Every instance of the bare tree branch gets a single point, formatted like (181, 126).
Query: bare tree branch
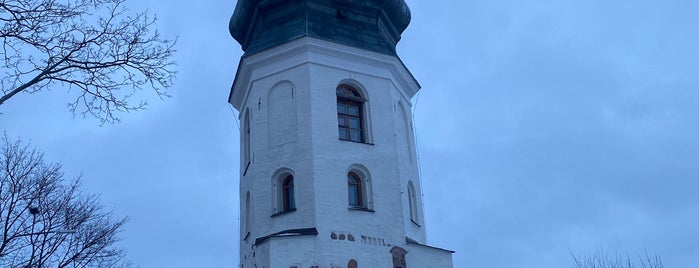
(94, 46)
(602, 259)
(46, 221)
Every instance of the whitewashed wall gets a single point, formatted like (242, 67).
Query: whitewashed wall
(289, 92)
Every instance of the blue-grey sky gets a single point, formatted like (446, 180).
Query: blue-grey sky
(542, 127)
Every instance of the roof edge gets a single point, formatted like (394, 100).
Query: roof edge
(411, 241)
(287, 233)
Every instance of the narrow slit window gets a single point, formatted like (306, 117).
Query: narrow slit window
(412, 203)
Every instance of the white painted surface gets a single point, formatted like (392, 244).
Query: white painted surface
(425, 257)
(289, 92)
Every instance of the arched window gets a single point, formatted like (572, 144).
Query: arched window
(284, 194)
(288, 202)
(352, 264)
(354, 190)
(412, 203)
(359, 190)
(350, 119)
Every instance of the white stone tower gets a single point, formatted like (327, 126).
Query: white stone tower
(329, 175)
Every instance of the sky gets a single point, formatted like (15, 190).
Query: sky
(543, 128)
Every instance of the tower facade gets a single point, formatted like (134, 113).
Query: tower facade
(329, 174)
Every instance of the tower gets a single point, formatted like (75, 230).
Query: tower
(329, 174)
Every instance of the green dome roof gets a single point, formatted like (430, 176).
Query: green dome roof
(374, 25)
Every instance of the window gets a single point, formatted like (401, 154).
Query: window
(359, 190)
(248, 220)
(246, 142)
(354, 190)
(352, 264)
(349, 114)
(283, 192)
(288, 202)
(412, 203)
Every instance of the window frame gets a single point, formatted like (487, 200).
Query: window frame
(364, 177)
(288, 195)
(280, 194)
(413, 207)
(349, 96)
(358, 193)
(248, 215)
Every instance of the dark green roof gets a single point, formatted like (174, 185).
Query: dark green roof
(374, 25)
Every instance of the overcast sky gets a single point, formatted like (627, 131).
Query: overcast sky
(543, 127)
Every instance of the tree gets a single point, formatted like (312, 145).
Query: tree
(46, 221)
(602, 259)
(93, 46)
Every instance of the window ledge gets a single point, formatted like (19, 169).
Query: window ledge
(367, 143)
(283, 212)
(415, 222)
(361, 209)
